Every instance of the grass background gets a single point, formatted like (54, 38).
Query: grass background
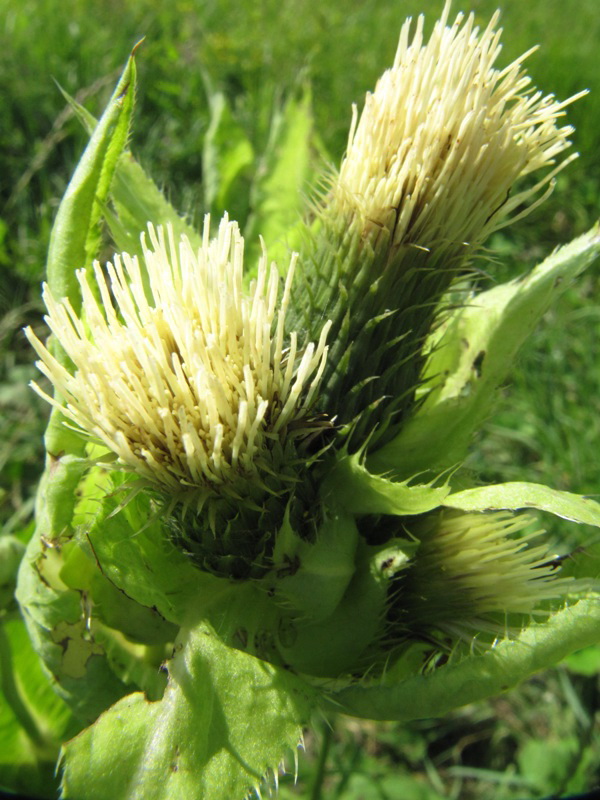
(534, 742)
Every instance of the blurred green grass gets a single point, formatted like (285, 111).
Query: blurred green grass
(547, 425)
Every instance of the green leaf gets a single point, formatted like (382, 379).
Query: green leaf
(87, 119)
(83, 572)
(227, 158)
(134, 552)
(33, 719)
(134, 638)
(351, 486)
(555, 760)
(285, 173)
(56, 497)
(478, 676)
(137, 199)
(59, 626)
(92, 637)
(11, 553)
(344, 641)
(585, 662)
(73, 243)
(472, 356)
(75, 235)
(225, 720)
(312, 577)
(370, 782)
(515, 496)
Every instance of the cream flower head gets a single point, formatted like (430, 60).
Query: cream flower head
(434, 164)
(178, 371)
(444, 137)
(473, 569)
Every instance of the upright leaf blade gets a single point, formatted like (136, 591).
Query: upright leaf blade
(136, 198)
(227, 159)
(283, 177)
(53, 614)
(75, 237)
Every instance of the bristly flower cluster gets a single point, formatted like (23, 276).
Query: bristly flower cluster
(204, 390)
(183, 375)
(444, 138)
(472, 571)
(433, 166)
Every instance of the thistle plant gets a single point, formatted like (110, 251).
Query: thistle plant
(255, 505)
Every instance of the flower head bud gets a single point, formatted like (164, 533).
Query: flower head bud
(472, 571)
(444, 138)
(179, 372)
(433, 166)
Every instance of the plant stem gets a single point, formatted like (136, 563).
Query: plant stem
(326, 739)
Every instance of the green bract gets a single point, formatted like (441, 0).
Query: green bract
(219, 554)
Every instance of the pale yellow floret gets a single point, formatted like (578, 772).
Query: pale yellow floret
(445, 136)
(470, 566)
(178, 370)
